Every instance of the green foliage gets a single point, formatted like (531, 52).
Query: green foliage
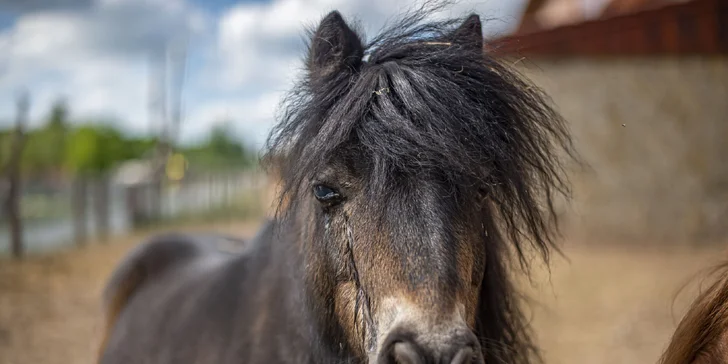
(82, 148)
(137, 148)
(6, 140)
(219, 151)
(96, 148)
(58, 118)
(44, 147)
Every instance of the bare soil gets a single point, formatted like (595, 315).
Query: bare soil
(50, 306)
(616, 304)
(607, 304)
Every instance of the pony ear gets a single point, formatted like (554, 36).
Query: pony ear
(469, 33)
(334, 47)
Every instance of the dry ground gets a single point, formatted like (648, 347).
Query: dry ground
(616, 304)
(606, 305)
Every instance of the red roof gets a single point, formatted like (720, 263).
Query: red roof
(620, 7)
(622, 27)
(546, 14)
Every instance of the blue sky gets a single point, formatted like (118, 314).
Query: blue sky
(242, 55)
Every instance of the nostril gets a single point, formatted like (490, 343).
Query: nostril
(406, 353)
(465, 349)
(464, 356)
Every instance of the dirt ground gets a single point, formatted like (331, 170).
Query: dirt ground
(611, 304)
(605, 305)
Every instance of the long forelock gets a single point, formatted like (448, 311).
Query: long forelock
(422, 102)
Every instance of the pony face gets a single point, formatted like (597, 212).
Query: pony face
(404, 173)
(407, 256)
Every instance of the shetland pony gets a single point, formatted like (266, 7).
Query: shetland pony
(417, 172)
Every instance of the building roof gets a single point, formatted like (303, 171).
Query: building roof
(619, 27)
(541, 15)
(621, 7)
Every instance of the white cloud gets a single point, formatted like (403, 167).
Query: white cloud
(262, 43)
(260, 46)
(95, 57)
(252, 117)
(96, 54)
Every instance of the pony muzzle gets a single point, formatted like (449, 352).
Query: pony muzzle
(455, 346)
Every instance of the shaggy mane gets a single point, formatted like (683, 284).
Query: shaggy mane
(422, 104)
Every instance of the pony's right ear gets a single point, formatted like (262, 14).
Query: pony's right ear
(334, 47)
(470, 32)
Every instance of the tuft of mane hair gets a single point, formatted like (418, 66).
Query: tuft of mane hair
(702, 335)
(429, 100)
(425, 99)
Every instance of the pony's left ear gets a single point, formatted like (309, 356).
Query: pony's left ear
(469, 33)
(334, 47)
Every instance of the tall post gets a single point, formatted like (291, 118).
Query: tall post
(158, 116)
(101, 202)
(79, 201)
(13, 173)
(178, 64)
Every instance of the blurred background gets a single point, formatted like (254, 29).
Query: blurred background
(121, 118)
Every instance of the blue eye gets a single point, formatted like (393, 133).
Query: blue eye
(326, 194)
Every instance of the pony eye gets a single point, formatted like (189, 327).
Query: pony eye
(326, 194)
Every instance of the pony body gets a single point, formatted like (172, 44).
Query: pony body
(412, 182)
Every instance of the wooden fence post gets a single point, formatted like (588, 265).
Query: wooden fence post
(78, 203)
(101, 204)
(14, 182)
(79, 200)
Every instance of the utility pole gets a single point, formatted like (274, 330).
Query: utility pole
(167, 74)
(177, 54)
(157, 126)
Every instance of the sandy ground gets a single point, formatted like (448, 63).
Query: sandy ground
(605, 305)
(616, 304)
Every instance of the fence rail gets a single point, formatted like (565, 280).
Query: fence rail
(55, 217)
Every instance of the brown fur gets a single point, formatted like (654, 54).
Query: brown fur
(115, 304)
(702, 335)
(470, 268)
(345, 306)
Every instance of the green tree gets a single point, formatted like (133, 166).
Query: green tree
(58, 118)
(57, 129)
(44, 147)
(81, 150)
(220, 151)
(94, 150)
